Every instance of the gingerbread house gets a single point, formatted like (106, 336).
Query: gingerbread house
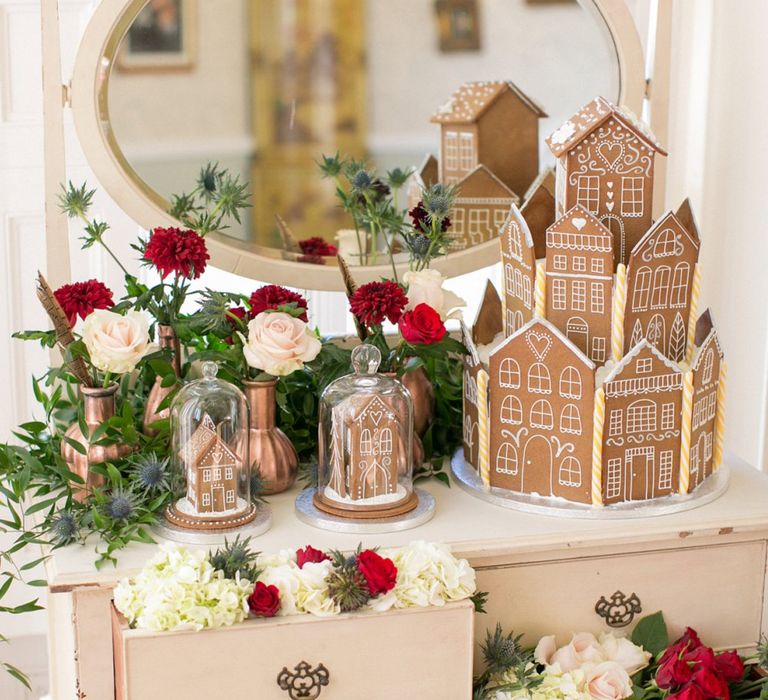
(493, 123)
(426, 175)
(472, 367)
(479, 209)
(212, 470)
(518, 264)
(539, 209)
(579, 285)
(605, 162)
(660, 275)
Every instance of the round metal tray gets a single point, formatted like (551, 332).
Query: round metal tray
(469, 480)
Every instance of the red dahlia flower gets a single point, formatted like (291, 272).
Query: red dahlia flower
(273, 296)
(317, 246)
(422, 326)
(173, 250)
(81, 298)
(376, 301)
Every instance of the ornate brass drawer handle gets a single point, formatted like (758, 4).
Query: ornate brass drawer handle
(304, 682)
(619, 610)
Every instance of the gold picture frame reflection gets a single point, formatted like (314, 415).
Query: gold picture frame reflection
(162, 38)
(458, 25)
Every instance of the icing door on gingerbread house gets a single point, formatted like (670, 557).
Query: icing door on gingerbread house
(605, 162)
(373, 433)
(580, 281)
(518, 265)
(659, 284)
(706, 365)
(479, 209)
(493, 123)
(539, 209)
(642, 429)
(541, 402)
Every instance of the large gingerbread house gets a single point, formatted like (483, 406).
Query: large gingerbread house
(604, 388)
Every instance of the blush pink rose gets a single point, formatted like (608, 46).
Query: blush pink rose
(607, 681)
(115, 342)
(583, 648)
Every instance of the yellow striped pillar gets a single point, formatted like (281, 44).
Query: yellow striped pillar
(695, 296)
(619, 305)
(597, 448)
(685, 433)
(483, 427)
(720, 419)
(540, 290)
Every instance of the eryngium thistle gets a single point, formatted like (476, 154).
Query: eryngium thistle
(361, 181)
(120, 505)
(420, 245)
(150, 472)
(64, 528)
(348, 588)
(501, 651)
(236, 557)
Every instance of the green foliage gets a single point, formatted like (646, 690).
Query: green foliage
(509, 667)
(651, 633)
(236, 558)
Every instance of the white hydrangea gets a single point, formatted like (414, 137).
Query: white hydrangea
(179, 589)
(554, 686)
(302, 590)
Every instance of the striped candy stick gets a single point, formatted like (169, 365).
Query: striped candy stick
(482, 425)
(597, 448)
(720, 419)
(617, 321)
(540, 290)
(685, 437)
(694, 310)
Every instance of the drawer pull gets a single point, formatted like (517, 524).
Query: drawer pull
(304, 682)
(619, 610)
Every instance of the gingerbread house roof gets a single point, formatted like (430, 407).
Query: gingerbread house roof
(469, 344)
(489, 318)
(538, 321)
(469, 101)
(428, 170)
(516, 215)
(705, 332)
(374, 403)
(592, 115)
(685, 216)
(215, 443)
(545, 179)
(480, 176)
(200, 439)
(632, 354)
(576, 225)
(662, 223)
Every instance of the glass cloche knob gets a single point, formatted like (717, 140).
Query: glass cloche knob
(210, 370)
(366, 359)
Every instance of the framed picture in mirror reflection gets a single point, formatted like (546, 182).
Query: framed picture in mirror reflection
(457, 25)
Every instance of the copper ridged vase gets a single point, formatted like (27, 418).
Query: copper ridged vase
(158, 393)
(423, 394)
(98, 407)
(270, 452)
(418, 447)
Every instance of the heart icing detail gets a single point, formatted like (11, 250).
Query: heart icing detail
(610, 152)
(610, 195)
(376, 416)
(539, 344)
(579, 223)
(610, 185)
(609, 206)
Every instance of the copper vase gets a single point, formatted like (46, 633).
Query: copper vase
(423, 394)
(418, 446)
(157, 394)
(269, 449)
(98, 407)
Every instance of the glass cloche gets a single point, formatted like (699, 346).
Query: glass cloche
(209, 449)
(366, 441)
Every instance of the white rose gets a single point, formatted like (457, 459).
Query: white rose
(116, 343)
(426, 287)
(607, 681)
(583, 648)
(278, 343)
(629, 656)
(545, 650)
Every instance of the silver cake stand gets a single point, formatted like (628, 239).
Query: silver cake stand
(469, 480)
(259, 526)
(307, 512)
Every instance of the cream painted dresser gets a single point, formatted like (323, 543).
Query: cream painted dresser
(705, 567)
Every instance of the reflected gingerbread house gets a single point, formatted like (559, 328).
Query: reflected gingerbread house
(605, 162)
(493, 123)
(539, 209)
(425, 175)
(212, 470)
(518, 265)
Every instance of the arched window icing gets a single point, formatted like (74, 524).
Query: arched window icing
(511, 410)
(509, 373)
(642, 290)
(680, 284)
(660, 295)
(506, 459)
(709, 363)
(541, 415)
(570, 383)
(539, 381)
(666, 244)
(385, 442)
(570, 472)
(366, 444)
(570, 419)
(641, 417)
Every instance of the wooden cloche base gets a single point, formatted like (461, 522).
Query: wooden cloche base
(358, 513)
(190, 522)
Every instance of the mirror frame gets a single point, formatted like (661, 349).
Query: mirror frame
(95, 57)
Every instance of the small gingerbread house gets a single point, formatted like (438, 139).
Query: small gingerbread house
(542, 390)
(212, 470)
(660, 278)
(493, 123)
(425, 175)
(642, 430)
(580, 281)
(605, 162)
(472, 366)
(518, 264)
(539, 209)
(479, 209)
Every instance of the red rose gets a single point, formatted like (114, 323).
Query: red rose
(265, 600)
(672, 673)
(689, 641)
(380, 574)
(173, 250)
(703, 656)
(310, 555)
(730, 666)
(272, 296)
(373, 302)
(711, 684)
(689, 691)
(81, 298)
(422, 325)
(317, 246)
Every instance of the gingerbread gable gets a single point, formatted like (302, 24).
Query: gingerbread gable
(200, 439)
(489, 321)
(539, 209)
(426, 175)
(518, 261)
(471, 100)
(660, 279)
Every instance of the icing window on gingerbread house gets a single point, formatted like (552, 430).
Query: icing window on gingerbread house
(506, 459)
(366, 443)
(466, 151)
(527, 291)
(558, 295)
(451, 150)
(206, 499)
(680, 285)
(644, 365)
(632, 196)
(665, 470)
(661, 287)
(615, 422)
(541, 415)
(668, 416)
(515, 244)
(588, 192)
(597, 265)
(560, 262)
(509, 373)
(570, 420)
(478, 221)
(642, 289)
(385, 441)
(667, 244)
(641, 417)
(499, 217)
(206, 475)
(709, 363)
(579, 295)
(613, 480)
(598, 349)
(539, 381)
(511, 410)
(518, 283)
(695, 459)
(570, 472)
(579, 263)
(570, 383)
(457, 221)
(597, 300)
(707, 446)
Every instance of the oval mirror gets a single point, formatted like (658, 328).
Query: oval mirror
(265, 88)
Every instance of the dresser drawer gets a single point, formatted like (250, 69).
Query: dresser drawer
(717, 589)
(375, 655)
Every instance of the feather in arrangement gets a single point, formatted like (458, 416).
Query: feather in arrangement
(64, 335)
(289, 240)
(351, 288)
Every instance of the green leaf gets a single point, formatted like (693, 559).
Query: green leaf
(651, 633)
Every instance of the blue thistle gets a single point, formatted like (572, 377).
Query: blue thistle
(361, 181)
(64, 527)
(120, 505)
(150, 472)
(420, 245)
